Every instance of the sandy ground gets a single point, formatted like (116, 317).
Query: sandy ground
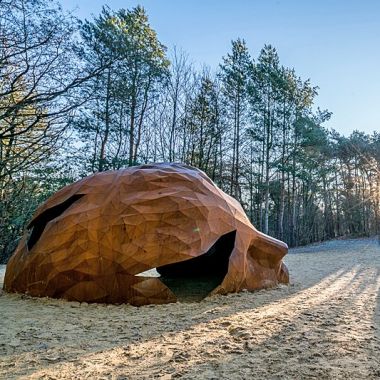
(325, 325)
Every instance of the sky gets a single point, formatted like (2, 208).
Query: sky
(335, 43)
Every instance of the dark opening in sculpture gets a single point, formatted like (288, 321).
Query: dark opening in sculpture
(37, 226)
(91, 240)
(195, 278)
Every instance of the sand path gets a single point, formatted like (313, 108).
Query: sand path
(325, 325)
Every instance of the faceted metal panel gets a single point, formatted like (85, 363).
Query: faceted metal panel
(88, 241)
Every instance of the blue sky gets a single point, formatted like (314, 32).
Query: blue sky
(335, 43)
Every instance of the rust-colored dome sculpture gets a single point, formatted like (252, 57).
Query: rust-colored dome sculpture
(91, 240)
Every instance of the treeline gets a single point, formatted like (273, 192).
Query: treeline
(81, 97)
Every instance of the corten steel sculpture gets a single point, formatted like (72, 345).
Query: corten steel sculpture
(89, 241)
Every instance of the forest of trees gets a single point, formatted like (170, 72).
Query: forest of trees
(77, 97)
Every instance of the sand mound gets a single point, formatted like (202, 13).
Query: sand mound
(324, 325)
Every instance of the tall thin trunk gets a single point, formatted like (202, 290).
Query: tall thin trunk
(282, 190)
(102, 152)
(141, 120)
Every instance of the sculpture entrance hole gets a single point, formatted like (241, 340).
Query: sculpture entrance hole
(38, 225)
(192, 280)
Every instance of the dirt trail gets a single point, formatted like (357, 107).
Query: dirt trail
(325, 325)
